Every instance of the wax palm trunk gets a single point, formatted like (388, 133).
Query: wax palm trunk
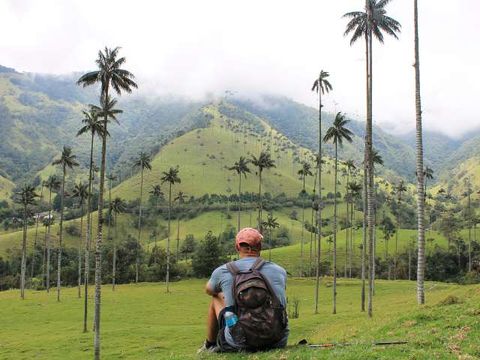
(420, 173)
(137, 260)
(24, 254)
(99, 243)
(260, 205)
(114, 265)
(335, 234)
(239, 201)
(364, 238)
(47, 280)
(319, 212)
(60, 239)
(88, 238)
(368, 150)
(80, 256)
(167, 280)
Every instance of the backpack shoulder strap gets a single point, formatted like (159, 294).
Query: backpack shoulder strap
(258, 264)
(234, 270)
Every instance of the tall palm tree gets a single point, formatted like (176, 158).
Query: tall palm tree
(303, 172)
(321, 85)
(270, 224)
(264, 161)
(420, 177)
(143, 162)
(372, 22)
(376, 160)
(171, 177)
(355, 190)
(116, 207)
(109, 74)
(46, 222)
(67, 160)
(337, 133)
(93, 126)
(157, 193)
(53, 184)
(37, 223)
(180, 198)
(25, 197)
(399, 189)
(241, 168)
(350, 165)
(80, 192)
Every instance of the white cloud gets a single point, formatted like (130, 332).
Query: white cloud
(193, 47)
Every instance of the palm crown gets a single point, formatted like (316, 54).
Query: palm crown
(26, 195)
(91, 122)
(264, 161)
(109, 73)
(156, 191)
(143, 161)
(171, 176)
(321, 83)
(67, 159)
(338, 132)
(117, 206)
(80, 191)
(374, 18)
(241, 166)
(53, 183)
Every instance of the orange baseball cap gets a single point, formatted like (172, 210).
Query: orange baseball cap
(249, 236)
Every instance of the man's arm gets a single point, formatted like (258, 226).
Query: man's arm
(209, 290)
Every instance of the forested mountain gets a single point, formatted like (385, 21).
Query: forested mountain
(41, 113)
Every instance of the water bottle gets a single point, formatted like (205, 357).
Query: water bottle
(230, 319)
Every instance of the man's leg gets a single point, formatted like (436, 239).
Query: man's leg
(216, 305)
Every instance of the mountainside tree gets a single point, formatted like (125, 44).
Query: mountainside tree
(93, 126)
(420, 176)
(171, 177)
(157, 194)
(372, 22)
(117, 206)
(321, 85)
(180, 199)
(25, 197)
(264, 161)
(109, 74)
(303, 172)
(53, 184)
(143, 162)
(80, 192)
(241, 168)
(67, 160)
(337, 133)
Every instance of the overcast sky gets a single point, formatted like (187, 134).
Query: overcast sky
(193, 47)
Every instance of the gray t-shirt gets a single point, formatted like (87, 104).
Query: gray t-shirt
(222, 281)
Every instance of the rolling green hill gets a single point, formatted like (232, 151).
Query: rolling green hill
(203, 156)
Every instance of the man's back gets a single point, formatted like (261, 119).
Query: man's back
(222, 280)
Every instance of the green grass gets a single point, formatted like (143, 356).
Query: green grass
(143, 322)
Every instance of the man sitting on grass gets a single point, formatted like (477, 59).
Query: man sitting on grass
(247, 311)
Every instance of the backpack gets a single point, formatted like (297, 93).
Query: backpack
(262, 319)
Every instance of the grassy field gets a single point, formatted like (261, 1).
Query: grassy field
(143, 322)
